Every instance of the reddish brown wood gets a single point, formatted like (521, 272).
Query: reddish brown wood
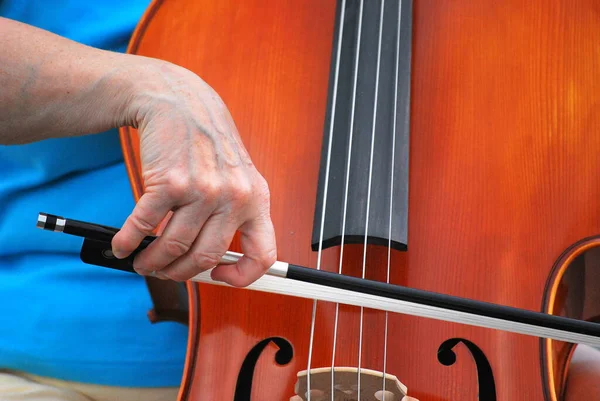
(505, 134)
(572, 291)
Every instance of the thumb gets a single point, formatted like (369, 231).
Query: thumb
(259, 253)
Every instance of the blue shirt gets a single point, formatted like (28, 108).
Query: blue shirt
(59, 317)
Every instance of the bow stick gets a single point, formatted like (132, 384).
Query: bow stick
(299, 281)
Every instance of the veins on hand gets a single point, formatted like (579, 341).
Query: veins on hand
(202, 112)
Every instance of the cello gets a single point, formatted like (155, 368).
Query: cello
(439, 145)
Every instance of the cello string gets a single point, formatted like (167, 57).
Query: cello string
(325, 193)
(389, 256)
(351, 131)
(374, 125)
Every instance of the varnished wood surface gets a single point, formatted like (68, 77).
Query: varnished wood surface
(505, 137)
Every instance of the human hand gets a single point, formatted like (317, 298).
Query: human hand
(195, 165)
(193, 161)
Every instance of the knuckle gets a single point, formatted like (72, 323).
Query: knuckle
(205, 260)
(241, 192)
(178, 185)
(175, 248)
(142, 223)
(250, 190)
(209, 189)
(268, 258)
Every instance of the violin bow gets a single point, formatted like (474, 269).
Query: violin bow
(304, 282)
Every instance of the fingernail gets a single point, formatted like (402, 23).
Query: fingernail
(119, 254)
(162, 275)
(139, 271)
(215, 277)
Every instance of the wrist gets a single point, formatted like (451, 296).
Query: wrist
(118, 89)
(144, 90)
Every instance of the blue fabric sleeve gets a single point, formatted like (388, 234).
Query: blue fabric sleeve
(59, 317)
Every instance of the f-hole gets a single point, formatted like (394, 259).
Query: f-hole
(243, 388)
(485, 377)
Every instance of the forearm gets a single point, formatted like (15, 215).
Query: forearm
(193, 161)
(53, 87)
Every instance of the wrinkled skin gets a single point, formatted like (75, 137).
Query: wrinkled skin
(195, 167)
(194, 163)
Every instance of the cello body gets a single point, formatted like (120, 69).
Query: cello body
(503, 199)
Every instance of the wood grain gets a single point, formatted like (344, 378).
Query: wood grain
(505, 134)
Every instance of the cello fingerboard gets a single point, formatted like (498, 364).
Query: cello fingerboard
(367, 126)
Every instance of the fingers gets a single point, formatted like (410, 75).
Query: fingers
(176, 240)
(198, 235)
(148, 213)
(206, 252)
(260, 252)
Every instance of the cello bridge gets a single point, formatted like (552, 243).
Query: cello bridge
(345, 385)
